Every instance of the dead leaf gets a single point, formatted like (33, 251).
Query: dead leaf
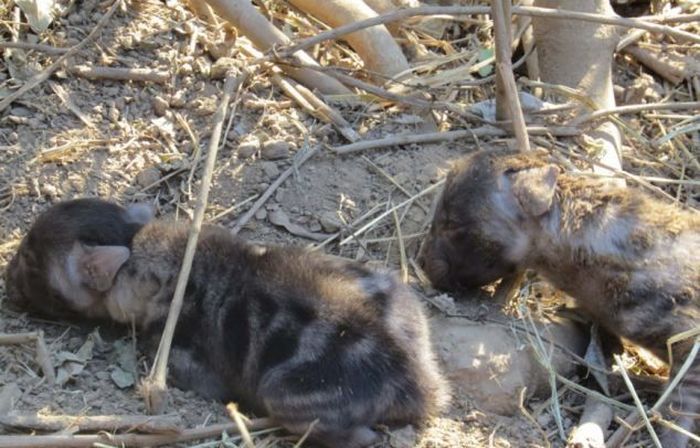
(39, 13)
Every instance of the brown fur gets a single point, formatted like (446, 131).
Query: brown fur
(294, 334)
(630, 261)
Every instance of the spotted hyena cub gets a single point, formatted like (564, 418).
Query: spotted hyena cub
(294, 334)
(630, 261)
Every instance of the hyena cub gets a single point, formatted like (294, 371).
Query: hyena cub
(630, 261)
(293, 334)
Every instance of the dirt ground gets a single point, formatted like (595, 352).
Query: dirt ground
(135, 141)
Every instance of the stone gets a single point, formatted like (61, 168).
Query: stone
(270, 169)
(405, 437)
(160, 106)
(147, 177)
(178, 99)
(431, 172)
(491, 366)
(330, 222)
(221, 67)
(248, 148)
(275, 150)
(261, 214)
(315, 226)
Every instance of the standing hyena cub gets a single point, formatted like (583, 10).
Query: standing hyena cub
(630, 261)
(294, 334)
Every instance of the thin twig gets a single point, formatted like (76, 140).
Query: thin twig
(532, 11)
(48, 49)
(120, 74)
(232, 409)
(449, 136)
(633, 108)
(48, 71)
(637, 402)
(243, 220)
(132, 440)
(402, 248)
(155, 390)
(161, 424)
(386, 213)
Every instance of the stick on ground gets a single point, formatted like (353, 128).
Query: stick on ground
(132, 440)
(159, 424)
(154, 387)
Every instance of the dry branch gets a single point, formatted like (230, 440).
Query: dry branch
(504, 73)
(264, 35)
(450, 136)
(375, 46)
(590, 432)
(672, 67)
(634, 108)
(133, 440)
(120, 74)
(81, 423)
(48, 49)
(154, 387)
(403, 14)
(308, 101)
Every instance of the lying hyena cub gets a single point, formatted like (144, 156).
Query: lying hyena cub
(297, 335)
(630, 261)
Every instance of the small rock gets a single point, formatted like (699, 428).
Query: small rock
(270, 169)
(21, 112)
(147, 177)
(202, 66)
(401, 178)
(261, 214)
(113, 114)
(247, 149)
(431, 172)
(405, 437)
(185, 69)
(279, 195)
(330, 222)
(178, 99)
(50, 191)
(315, 226)
(221, 67)
(491, 365)
(102, 375)
(275, 150)
(416, 215)
(160, 106)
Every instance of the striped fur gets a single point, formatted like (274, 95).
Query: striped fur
(286, 332)
(630, 261)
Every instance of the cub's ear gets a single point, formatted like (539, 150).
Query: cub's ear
(534, 188)
(98, 265)
(140, 213)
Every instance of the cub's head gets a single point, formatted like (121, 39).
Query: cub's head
(70, 256)
(477, 234)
